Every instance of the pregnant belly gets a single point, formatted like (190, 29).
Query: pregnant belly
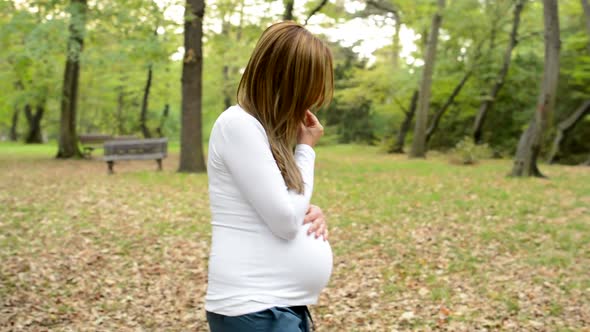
(306, 263)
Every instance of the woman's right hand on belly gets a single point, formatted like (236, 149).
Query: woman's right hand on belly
(315, 217)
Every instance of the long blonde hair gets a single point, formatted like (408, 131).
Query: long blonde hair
(289, 72)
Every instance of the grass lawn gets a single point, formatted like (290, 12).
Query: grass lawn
(418, 245)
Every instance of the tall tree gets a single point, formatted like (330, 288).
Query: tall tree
(13, 136)
(146, 94)
(155, 11)
(529, 146)
(488, 102)
(398, 146)
(586, 6)
(144, 104)
(163, 118)
(404, 129)
(68, 139)
(191, 144)
(34, 134)
(225, 88)
(419, 143)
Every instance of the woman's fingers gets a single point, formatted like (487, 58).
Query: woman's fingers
(316, 218)
(312, 214)
(307, 218)
(320, 231)
(311, 228)
(316, 225)
(310, 217)
(310, 119)
(311, 131)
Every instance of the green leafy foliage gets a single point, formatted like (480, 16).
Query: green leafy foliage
(352, 121)
(124, 38)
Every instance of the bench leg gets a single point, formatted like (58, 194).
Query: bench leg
(159, 164)
(111, 164)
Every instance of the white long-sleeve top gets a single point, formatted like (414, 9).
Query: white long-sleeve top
(261, 255)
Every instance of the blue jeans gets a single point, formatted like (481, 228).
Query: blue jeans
(277, 319)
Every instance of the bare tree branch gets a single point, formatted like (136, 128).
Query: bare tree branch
(316, 10)
(384, 7)
(565, 126)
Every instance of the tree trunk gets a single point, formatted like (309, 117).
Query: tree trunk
(34, 135)
(68, 139)
(565, 127)
(288, 14)
(120, 106)
(163, 118)
(489, 101)
(18, 85)
(436, 120)
(225, 88)
(398, 147)
(226, 94)
(525, 161)
(191, 144)
(419, 143)
(144, 104)
(13, 136)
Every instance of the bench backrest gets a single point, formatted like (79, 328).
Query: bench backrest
(155, 148)
(94, 138)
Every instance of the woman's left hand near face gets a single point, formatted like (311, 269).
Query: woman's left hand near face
(316, 218)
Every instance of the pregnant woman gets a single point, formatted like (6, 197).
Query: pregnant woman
(264, 267)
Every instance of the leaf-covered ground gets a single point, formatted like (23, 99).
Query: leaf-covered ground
(419, 245)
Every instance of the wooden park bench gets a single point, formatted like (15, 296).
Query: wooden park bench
(90, 142)
(139, 149)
